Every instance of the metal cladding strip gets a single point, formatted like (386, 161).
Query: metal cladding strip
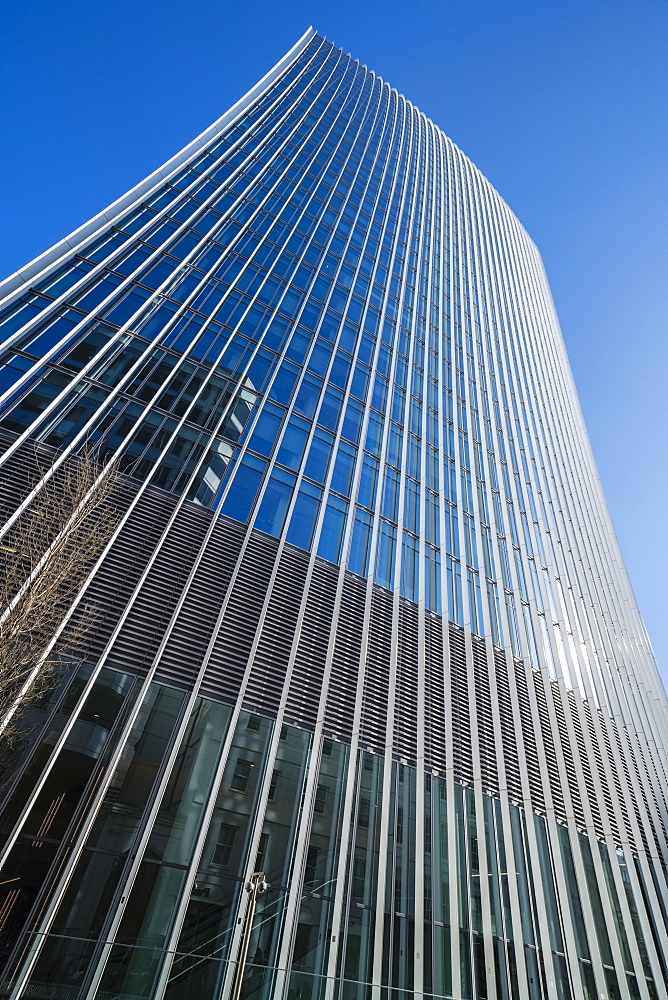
(608, 760)
(599, 740)
(575, 730)
(348, 815)
(485, 610)
(85, 431)
(165, 450)
(622, 583)
(299, 859)
(389, 127)
(21, 592)
(504, 531)
(566, 924)
(589, 915)
(194, 402)
(543, 926)
(388, 743)
(501, 762)
(420, 784)
(447, 273)
(148, 351)
(585, 899)
(388, 736)
(43, 264)
(87, 823)
(452, 764)
(465, 241)
(309, 790)
(253, 846)
(574, 434)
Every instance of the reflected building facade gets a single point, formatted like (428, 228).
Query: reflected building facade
(364, 623)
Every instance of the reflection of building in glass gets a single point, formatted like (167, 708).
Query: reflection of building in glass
(366, 627)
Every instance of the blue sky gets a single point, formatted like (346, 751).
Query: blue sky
(561, 103)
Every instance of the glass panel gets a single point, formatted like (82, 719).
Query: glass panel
(331, 536)
(363, 870)
(65, 792)
(93, 886)
(131, 971)
(276, 846)
(574, 895)
(548, 885)
(595, 899)
(618, 918)
(194, 978)
(41, 710)
(401, 879)
(185, 797)
(304, 515)
(275, 502)
(130, 789)
(313, 933)
(523, 884)
(60, 968)
(214, 899)
(440, 875)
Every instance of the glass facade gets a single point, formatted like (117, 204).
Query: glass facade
(365, 628)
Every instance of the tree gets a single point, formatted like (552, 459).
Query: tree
(45, 556)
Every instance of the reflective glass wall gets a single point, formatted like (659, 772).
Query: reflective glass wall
(366, 627)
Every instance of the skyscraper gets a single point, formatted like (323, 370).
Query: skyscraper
(365, 626)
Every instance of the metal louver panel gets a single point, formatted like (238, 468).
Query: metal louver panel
(406, 719)
(461, 716)
(229, 656)
(484, 717)
(531, 741)
(115, 581)
(194, 625)
(507, 724)
(312, 641)
(435, 735)
(144, 628)
(345, 666)
(377, 671)
(270, 663)
(568, 757)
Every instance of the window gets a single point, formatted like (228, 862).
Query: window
(242, 773)
(274, 783)
(310, 870)
(223, 849)
(262, 852)
(321, 794)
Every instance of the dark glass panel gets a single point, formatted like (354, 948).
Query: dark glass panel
(177, 822)
(64, 787)
(214, 900)
(40, 744)
(131, 786)
(60, 968)
(276, 847)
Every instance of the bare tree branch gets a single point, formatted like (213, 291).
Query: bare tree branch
(44, 560)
